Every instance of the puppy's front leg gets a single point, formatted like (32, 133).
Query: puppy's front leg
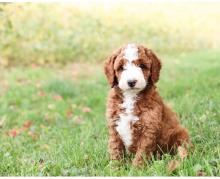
(115, 144)
(147, 145)
(147, 142)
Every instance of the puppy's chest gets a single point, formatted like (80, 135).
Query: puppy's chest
(127, 120)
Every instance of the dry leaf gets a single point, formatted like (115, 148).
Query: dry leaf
(86, 110)
(41, 93)
(33, 65)
(13, 132)
(182, 152)
(57, 97)
(173, 165)
(69, 113)
(27, 124)
(78, 120)
(200, 173)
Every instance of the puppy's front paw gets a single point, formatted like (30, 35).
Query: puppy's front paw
(138, 162)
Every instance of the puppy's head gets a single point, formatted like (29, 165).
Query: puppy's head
(132, 68)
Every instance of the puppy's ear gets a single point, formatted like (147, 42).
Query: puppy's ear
(155, 67)
(109, 69)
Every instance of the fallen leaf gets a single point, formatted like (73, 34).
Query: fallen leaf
(78, 120)
(13, 132)
(27, 124)
(41, 93)
(57, 97)
(182, 152)
(33, 65)
(69, 113)
(200, 173)
(173, 165)
(86, 110)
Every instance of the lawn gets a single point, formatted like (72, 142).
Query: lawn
(52, 120)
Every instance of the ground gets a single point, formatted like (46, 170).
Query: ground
(52, 120)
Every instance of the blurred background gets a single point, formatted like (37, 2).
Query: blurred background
(89, 31)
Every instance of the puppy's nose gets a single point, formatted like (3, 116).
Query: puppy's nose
(132, 83)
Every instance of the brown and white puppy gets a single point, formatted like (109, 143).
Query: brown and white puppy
(138, 119)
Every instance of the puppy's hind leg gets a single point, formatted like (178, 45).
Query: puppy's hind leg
(178, 136)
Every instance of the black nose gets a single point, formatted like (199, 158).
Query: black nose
(132, 83)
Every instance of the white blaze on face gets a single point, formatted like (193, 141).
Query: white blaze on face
(131, 71)
(131, 52)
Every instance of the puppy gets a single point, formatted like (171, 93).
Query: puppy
(138, 120)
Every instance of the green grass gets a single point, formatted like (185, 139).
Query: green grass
(58, 143)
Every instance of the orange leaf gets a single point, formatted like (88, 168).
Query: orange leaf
(79, 120)
(173, 165)
(41, 93)
(27, 124)
(69, 113)
(13, 132)
(33, 65)
(86, 110)
(57, 97)
(182, 152)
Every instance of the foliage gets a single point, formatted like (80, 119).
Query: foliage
(49, 33)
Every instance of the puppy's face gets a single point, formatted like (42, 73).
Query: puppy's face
(132, 68)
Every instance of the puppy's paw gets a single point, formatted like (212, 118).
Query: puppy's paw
(138, 162)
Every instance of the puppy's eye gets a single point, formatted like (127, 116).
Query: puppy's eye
(120, 68)
(142, 66)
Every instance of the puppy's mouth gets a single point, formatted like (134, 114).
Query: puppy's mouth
(134, 89)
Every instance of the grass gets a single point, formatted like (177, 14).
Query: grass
(68, 134)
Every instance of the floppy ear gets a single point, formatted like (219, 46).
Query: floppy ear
(109, 70)
(155, 67)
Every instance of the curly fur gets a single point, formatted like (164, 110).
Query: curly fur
(144, 125)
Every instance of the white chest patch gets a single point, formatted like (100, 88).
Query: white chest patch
(127, 118)
(131, 52)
